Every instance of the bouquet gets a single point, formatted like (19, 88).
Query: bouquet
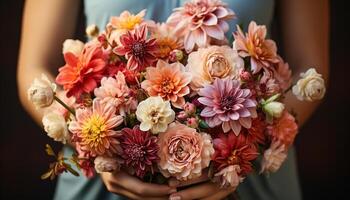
(174, 99)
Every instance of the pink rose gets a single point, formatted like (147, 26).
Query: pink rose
(184, 152)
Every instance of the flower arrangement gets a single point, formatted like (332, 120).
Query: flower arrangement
(173, 99)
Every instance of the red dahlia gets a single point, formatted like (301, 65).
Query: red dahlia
(137, 49)
(234, 150)
(140, 150)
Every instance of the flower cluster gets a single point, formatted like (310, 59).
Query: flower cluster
(174, 98)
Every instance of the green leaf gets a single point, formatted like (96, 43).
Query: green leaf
(203, 124)
(49, 150)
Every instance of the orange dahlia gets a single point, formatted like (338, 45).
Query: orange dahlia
(93, 129)
(168, 81)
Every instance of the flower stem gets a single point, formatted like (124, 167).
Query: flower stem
(64, 105)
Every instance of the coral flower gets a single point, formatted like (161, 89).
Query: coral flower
(167, 40)
(227, 104)
(137, 49)
(234, 150)
(282, 74)
(168, 81)
(200, 21)
(82, 73)
(140, 150)
(284, 129)
(184, 152)
(262, 52)
(116, 91)
(93, 129)
(213, 62)
(256, 134)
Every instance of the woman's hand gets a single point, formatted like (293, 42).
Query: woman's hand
(200, 188)
(131, 187)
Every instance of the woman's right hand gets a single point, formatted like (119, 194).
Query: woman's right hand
(131, 187)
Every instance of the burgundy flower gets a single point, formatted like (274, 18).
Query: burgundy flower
(140, 150)
(137, 49)
(234, 150)
(256, 134)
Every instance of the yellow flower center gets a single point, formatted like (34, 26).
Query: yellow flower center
(94, 130)
(233, 158)
(129, 22)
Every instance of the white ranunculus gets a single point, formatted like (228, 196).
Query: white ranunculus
(310, 87)
(154, 114)
(41, 92)
(56, 127)
(73, 46)
(105, 164)
(274, 109)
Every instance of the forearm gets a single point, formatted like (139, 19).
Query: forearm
(305, 34)
(46, 24)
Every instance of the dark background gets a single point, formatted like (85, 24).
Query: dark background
(321, 144)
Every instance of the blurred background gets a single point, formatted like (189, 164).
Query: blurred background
(321, 144)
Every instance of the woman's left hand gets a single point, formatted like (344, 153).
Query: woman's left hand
(200, 188)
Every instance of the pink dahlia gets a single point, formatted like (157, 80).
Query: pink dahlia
(116, 91)
(140, 150)
(262, 52)
(200, 21)
(82, 73)
(234, 150)
(227, 104)
(93, 129)
(137, 49)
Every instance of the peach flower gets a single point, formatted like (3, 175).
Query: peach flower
(167, 40)
(93, 130)
(273, 157)
(262, 52)
(229, 176)
(184, 152)
(283, 129)
(168, 81)
(206, 64)
(116, 91)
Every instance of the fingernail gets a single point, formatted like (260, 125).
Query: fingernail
(174, 197)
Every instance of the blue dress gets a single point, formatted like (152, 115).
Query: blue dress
(283, 184)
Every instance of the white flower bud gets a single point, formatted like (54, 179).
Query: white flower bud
(92, 30)
(73, 46)
(274, 109)
(56, 127)
(41, 92)
(310, 87)
(105, 164)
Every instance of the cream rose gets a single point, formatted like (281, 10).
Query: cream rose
(206, 64)
(73, 46)
(41, 92)
(274, 109)
(56, 127)
(310, 87)
(105, 164)
(184, 152)
(154, 114)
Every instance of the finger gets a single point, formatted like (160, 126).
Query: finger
(138, 187)
(173, 182)
(196, 192)
(220, 195)
(121, 191)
